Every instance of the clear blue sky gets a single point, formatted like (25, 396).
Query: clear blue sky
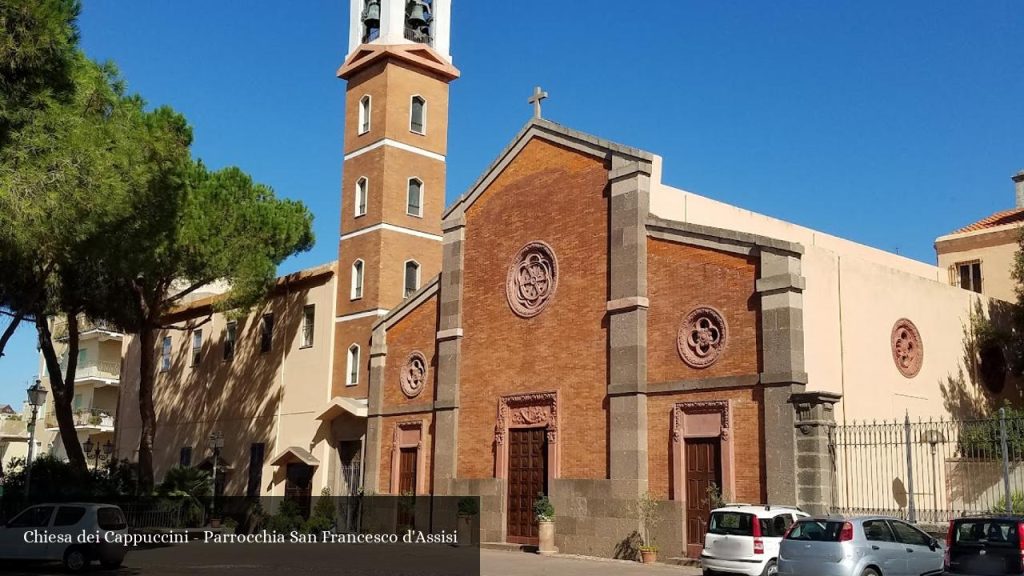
(889, 123)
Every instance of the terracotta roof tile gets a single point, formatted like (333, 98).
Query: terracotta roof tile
(998, 219)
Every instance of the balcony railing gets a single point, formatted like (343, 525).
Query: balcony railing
(91, 418)
(100, 370)
(85, 325)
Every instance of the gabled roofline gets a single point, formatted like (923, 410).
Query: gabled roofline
(552, 132)
(722, 238)
(409, 304)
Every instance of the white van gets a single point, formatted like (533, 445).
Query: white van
(52, 532)
(745, 539)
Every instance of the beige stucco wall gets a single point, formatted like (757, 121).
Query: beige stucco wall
(994, 247)
(854, 295)
(271, 397)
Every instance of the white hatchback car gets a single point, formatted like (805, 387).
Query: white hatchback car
(52, 532)
(745, 539)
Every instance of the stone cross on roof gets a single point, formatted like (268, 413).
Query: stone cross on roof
(538, 95)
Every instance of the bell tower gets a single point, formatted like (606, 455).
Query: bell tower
(393, 176)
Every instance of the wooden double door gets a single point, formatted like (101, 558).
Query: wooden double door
(703, 466)
(527, 478)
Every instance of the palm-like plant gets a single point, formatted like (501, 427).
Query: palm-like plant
(191, 484)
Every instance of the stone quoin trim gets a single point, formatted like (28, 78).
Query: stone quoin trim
(538, 410)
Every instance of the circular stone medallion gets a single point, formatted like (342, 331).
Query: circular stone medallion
(703, 337)
(414, 375)
(907, 348)
(532, 279)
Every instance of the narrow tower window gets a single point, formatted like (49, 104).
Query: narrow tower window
(414, 203)
(412, 277)
(357, 280)
(362, 186)
(230, 332)
(197, 347)
(353, 365)
(165, 355)
(418, 115)
(365, 108)
(308, 322)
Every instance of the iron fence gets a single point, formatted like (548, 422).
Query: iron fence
(164, 515)
(928, 471)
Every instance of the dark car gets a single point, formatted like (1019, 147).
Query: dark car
(985, 546)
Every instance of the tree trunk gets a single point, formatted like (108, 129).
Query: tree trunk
(9, 331)
(147, 414)
(62, 386)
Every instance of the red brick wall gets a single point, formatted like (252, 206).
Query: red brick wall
(746, 423)
(414, 332)
(345, 334)
(682, 277)
(559, 196)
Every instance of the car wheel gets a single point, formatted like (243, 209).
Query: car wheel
(110, 564)
(75, 559)
(870, 572)
(770, 569)
(708, 572)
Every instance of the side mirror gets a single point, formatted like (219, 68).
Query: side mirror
(934, 544)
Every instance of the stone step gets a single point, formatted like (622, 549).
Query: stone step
(508, 547)
(683, 561)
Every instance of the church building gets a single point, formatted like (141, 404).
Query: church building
(572, 326)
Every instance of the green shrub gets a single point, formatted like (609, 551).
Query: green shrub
(322, 519)
(1016, 501)
(469, 506)
(287, 519)
(543, 509)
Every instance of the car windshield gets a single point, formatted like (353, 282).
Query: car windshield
(111, 519)
(816, 531)
(732, 523)
(36, 517)
(986, 531)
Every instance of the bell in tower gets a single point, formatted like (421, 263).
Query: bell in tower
(371, 20)
(418, 21)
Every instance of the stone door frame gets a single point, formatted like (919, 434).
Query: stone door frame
(702, 419)
(408, 434)
(536, 410)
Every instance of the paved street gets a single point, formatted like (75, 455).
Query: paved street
(495, 563)
(280, 560)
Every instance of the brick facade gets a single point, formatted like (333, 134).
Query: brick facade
(414, 332)
(564, 348)
(747, 420)
(682, 277)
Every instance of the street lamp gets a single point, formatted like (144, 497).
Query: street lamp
(216, 444)
(36, 398)
(97, 452)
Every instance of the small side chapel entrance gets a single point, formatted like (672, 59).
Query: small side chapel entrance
(702, 453)
(526, 443)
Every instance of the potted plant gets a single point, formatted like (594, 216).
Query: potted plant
(647, 513)
(469, 508)
(545, 514)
